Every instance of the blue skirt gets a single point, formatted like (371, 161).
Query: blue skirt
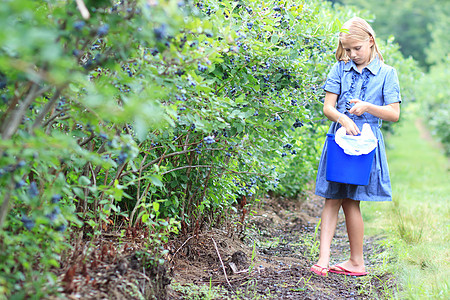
(379, 187)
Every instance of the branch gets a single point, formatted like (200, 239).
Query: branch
(5, 205)
(187, 167)
(212, 166)
(16, 117)
(83, 9)
(47, 108)
(90, 138)
(187, 240)
(223, 266)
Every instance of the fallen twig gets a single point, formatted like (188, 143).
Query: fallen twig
(223, 266)
(173, 256)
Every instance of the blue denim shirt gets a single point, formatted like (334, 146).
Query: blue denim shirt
(377, 84)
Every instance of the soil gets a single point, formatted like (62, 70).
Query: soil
(270, 259)
(282, 239)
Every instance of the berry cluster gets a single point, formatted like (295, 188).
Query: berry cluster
(55, 198)
(54, 214)
(122, 158)
(201, 67)
(348, 105)
(198, 149)
(11, 168)
(103, 30)
(33, 190)
(27, 222)
(297, 124)
(209, 140)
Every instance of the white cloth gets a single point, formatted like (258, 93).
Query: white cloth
(356, 144)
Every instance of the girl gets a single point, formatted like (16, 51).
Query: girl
(360, 89)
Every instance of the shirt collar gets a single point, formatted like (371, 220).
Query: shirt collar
(373, 67)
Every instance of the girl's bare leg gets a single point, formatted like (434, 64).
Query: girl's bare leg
(355, 231)
(327, 229)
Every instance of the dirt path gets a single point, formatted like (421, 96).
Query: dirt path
(275, 255)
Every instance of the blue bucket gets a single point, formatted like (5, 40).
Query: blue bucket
(344, 168)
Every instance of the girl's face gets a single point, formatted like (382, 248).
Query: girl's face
(358, 51)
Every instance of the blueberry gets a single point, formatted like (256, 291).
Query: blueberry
(54, 214)
(228, 154)
(209, 140)
(28, 223)
(160, 32)
(33, 190)
(55, 198)
(201, 67)
(103, 30)
(277, 8)
(249, 25)
(122, 158)
(230, 148)
(78, 25)
(297, 124)
(283, 154)
(61, 228)
(3, 81)
(20, 184)
(256, 114)
(294, 152)
(154, 51)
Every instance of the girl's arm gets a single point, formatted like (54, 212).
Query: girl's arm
(390, 112)
(330, 111)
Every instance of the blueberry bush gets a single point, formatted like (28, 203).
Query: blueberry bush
(163, 116)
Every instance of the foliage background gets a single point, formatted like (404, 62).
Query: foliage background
(158, 116)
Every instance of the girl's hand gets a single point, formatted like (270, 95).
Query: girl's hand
(349, 125)
(359, 108)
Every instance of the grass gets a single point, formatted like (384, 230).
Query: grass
(416, 223)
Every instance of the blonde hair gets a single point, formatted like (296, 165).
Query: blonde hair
(358, 29)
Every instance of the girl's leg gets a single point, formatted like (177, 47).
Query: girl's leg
(327, 229)
(355, 231)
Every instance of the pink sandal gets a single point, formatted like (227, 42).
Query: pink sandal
(323, 271)
(344, 271)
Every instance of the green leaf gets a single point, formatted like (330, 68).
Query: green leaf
(145, 218)
(156, 206)
(156, 180)
(83, 180)
(274, 39)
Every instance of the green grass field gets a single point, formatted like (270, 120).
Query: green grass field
(416, 224)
